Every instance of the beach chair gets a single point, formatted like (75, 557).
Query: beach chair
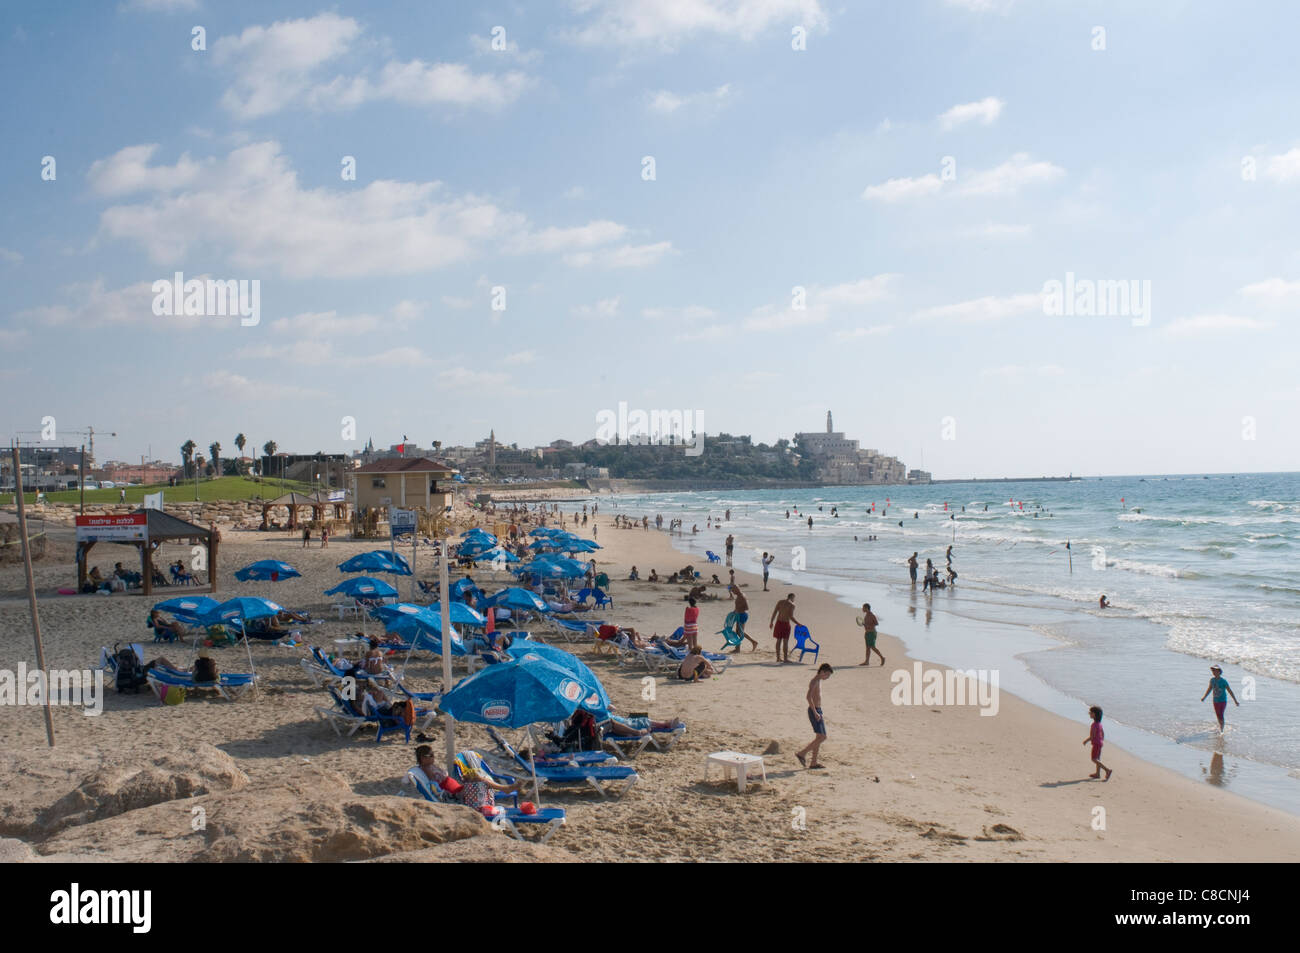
(508, 819)
(656, 660)
(504, 750)
(322, 671)
(803, 643)
(729, 633)
(572, 630)
(344, 714)
(719, 662)
(601, 598)
(713, 557)
(181, 578)
(629, 746)
(619, 777)
(228, 686)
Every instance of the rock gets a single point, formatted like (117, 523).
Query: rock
(44, 794)
(315, 818)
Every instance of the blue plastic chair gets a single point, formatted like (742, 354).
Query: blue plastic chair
(602, 599)
(804, 644)
(713, 557)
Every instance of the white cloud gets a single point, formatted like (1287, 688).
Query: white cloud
(518, 358)
(575, 192)
(1214, 324)
(457, 304)
(91, 305)
(706, 102)
(234, 387)
(1273, 291)
(859, 292)
(330, 324)
(820, 302)
(1001, 180)
(625, 256)
(665, 23)
(708, 332)
(12, 337)
(855, 334)
(467, 378)
(1284, 167)
(251, 206)
(985, 111)
(10, 257)
(983, 6)
(989, 308)
(278, 66)
(604, 308)
(690, 312)
(1009, 177)
(482, 44)
(128, 170)
(568, 239)
(896, 190)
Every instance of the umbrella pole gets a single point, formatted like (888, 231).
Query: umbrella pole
(532, 764)
(249, 651)
(444, 590)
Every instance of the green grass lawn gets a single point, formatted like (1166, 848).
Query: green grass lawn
(221, 488)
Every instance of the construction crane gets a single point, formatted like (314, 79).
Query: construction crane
(89, 434)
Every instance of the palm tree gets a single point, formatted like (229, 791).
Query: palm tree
(268, 449)
(214, 448)
(240, 441)
(187, 455)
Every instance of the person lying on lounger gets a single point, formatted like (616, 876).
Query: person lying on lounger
(375, 702)
(638, 727)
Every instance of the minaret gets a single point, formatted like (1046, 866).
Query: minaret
(829, 426)
(492, 449)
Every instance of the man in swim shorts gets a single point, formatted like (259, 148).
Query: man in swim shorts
(780, 623)
(742, 615)
(815, 718)
(869, 623)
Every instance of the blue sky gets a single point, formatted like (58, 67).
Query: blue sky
(522, 168)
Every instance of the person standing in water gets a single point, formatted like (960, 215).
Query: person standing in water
(911, 565)
(1096, 737)
(1219, 685)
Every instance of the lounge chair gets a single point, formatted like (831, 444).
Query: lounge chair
(571, 629)
(555, 758)
(713, 557)
(344, 714)
(322, 671)
(511, 818)
(596, 776)
(629, 746)
(228, 686)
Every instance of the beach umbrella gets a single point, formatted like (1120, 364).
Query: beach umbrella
(478, 533)
(497, 555)
(512, 597)
(526, 650)
(554, 570)
(461, 586)
(378, 560)
(461, 614)
(363, 587)
(420, 626)
(242, 609)
(266, 569)
(188, 608)
(544, 543)
(524, 692)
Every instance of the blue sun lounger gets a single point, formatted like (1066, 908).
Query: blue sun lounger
(344, 714)
(621, 777)
(551, 818)
(563, 757)
(228, 687)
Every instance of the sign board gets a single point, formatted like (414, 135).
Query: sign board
(114, 529)
(337, 496)
(401, 522)
(153, 501)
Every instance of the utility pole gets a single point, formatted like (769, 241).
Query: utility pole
(31, 589)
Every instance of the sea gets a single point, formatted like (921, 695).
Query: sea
(1198, 569)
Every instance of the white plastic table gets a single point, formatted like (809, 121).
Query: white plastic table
(735, 761)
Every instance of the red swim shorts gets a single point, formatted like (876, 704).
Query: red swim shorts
(781, 630)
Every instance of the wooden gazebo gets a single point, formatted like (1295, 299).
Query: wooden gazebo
(318, 502)
(146, 530)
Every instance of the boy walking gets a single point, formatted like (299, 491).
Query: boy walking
(815, 718)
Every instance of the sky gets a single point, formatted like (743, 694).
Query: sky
(464, 217)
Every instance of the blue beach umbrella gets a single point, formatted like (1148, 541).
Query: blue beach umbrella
(266, 569)
(188, 608)
(478, 533)
(497, 554)
(363, 587)
(512, 597)
(521, 693)
(241, 609)
(527, 650)
(378, 560)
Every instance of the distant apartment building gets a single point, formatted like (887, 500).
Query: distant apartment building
(918, 476)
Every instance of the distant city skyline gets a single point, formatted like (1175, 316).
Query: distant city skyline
(999, 238)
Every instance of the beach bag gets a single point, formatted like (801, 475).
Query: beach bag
(130, 673)
(171, 694)
(404, 711)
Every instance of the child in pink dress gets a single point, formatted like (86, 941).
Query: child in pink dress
(1096, 737)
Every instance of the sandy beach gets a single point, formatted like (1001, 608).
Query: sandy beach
(902, 782)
